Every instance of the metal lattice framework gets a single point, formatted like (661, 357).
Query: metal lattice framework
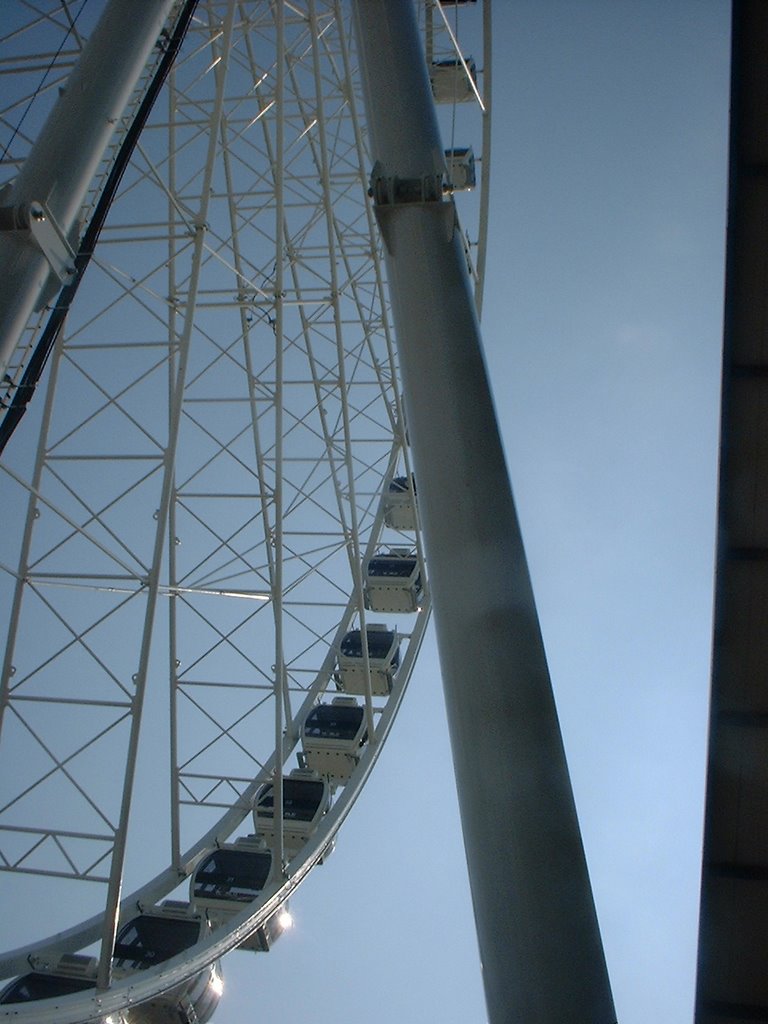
(190, 507)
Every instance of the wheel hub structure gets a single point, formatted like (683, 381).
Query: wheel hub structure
(192, 500)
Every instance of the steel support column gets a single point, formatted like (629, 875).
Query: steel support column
(39, 210)
(537, 929)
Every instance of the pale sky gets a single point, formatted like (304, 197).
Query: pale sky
(602, 328)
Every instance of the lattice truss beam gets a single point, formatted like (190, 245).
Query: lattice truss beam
(40, 43)
(221, 418)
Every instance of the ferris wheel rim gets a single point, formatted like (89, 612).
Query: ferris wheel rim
(248, 922)
(230, 820)
(167, 880)
(186, 965)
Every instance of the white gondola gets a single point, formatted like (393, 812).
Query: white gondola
(461, 168)
(450, 82)
(383, 661)
(70, 973)
(400, 504)
(333, 736)
(393, 581)
(155, 935)
(228, 878)
(306, 798)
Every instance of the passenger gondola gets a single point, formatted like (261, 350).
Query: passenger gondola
(231, 876)
(156, 935)
(71, 973)
(393, 581)
(461, 168)
(400, 504)
(450, 82)
(306, 798)
(383, 660)
(333, 736)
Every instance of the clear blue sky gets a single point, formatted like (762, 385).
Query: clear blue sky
(603, 330)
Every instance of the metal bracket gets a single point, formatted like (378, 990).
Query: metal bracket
(390, 194)
(389, 190)
(36, 219)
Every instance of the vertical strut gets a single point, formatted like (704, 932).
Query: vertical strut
(277, 596)
(537, 929)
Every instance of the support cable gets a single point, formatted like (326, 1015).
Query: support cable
(41, 83)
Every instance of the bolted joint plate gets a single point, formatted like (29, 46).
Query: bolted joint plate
(35, 219)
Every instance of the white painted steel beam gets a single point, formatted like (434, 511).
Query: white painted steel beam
(40, 209)
(538, 934)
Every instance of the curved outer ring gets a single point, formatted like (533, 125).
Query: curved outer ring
(81, 1007)
(75, 1008)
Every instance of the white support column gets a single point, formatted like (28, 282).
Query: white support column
(537, 929)
(39, 211)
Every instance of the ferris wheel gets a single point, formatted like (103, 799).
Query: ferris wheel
(213, 577)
